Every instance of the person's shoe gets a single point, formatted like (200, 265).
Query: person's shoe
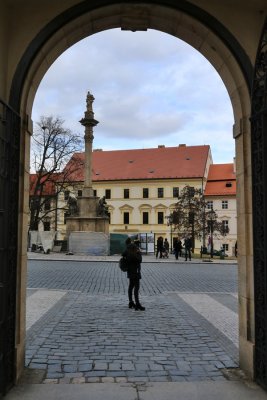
(139, 307)
(131, 304)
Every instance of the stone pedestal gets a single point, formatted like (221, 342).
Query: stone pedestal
(93, 229)
(89, 243)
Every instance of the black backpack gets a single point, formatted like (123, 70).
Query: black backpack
(123, 264)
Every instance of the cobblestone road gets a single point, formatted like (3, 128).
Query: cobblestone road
(81, 330)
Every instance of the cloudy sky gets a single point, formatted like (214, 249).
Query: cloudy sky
(150, 89)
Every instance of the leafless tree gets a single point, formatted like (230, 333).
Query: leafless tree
(52, 147)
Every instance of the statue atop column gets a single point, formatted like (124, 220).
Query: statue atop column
(89, 102)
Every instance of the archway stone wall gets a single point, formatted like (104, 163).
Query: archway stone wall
(39, 34)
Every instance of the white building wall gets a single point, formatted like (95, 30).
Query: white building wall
(230, 215)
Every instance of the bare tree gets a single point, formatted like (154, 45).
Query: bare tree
(190, 217)
(52, 147)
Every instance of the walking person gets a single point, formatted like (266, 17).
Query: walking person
(133, 259)
(166, 248)
(159, 247)
(188, 247)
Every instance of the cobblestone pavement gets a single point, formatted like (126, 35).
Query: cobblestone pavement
(81, 330)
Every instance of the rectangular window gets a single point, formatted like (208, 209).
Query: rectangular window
(126, 218)
(66, 195)
(95, 193)
(225, 247)
(47, 205)
(126, 193)
(191, 191)
(145, 217)
(225, 225)
(160, 193)
(80, 193)
(224, 204)
(145, 193)
(175, 192)
(210, 205)
(160, 217)
(108, 193)
(46, 226)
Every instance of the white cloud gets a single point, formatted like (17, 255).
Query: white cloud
(150, 88)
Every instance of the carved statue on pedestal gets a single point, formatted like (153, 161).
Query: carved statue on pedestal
(103, 207)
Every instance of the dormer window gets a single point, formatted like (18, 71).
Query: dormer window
(228, 184)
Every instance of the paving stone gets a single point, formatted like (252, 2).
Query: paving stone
(78, 380)
(51, 381)
(107, 379)
(92, 380)
(65, 380)
(37, 366)
(92, 335)
(54, 375)
(85, 367)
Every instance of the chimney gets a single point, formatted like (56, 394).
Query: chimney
(182, 145)
(161, 146)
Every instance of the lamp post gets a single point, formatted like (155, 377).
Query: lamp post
(211, 218)
(170, 223)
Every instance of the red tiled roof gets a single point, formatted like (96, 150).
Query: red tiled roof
(221, 180)
(48, 186)
(218, 172)
(156, 163)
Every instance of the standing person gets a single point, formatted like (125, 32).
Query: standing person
(166, 247)
(133, 259)
(177, 248)
(188, 247)
(159, 247)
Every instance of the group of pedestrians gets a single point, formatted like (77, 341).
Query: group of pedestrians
(163, 248)
(187, 247)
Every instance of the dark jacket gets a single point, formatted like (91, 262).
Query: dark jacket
(178, 245)
(133, 258)
(188, 243)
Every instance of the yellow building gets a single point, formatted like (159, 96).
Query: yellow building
(141, 186)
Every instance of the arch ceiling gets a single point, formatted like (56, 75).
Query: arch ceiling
(187, 23)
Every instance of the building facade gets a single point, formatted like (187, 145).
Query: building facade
(220, 195)
(141, 188)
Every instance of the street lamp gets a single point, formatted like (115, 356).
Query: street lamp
(211, 219)
(170, 223)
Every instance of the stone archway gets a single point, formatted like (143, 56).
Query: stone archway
(259, 170)
(207, 35)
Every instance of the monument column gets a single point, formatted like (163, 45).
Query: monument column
(88, 122)
(88, 224)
